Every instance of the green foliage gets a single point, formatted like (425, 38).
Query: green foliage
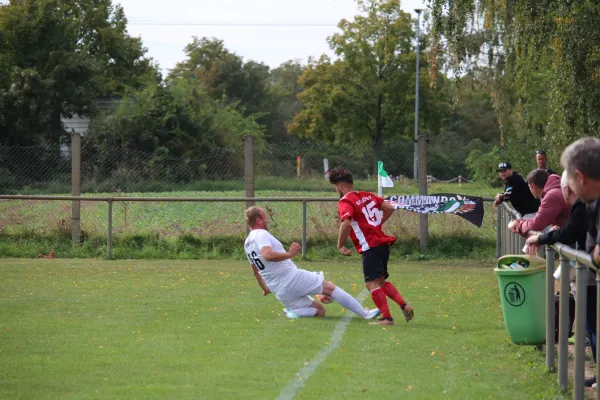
(483, 165)
(186, 247)
(57, 57)
(226, 77)
(177, 119)
(368, 94)
(285, 88)
(547, 62)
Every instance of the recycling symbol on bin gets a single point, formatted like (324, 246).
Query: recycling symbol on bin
(514, 294)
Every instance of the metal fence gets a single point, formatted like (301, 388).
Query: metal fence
(509, 243)
(285, 169)
(281, 166)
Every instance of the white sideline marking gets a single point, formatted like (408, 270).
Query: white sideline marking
(305, 372)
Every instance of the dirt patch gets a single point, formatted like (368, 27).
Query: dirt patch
(590, 368)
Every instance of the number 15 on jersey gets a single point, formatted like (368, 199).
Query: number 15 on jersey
(372, 214)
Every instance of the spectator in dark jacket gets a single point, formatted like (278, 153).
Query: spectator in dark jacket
(581, 161)
(542, 161)
(554, 210)
(516, 191)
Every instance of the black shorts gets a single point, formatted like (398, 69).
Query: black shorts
(375, 261)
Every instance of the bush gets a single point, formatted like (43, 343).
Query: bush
(483, 166)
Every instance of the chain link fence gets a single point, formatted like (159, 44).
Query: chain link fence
(286, 169)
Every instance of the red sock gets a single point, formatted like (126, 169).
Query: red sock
(380, 301)
(391, 291)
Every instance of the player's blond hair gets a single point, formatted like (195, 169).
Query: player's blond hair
(252, 214)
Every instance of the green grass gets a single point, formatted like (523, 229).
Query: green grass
(261, 183)
(207, 221)
(186, 247)
(88, 329)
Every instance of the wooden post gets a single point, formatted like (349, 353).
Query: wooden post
(249, 168)
(249, 171)
(298, 166)
(76, 187)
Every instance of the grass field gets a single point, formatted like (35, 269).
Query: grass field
(89, 329)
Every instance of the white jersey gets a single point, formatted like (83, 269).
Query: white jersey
(277, 274)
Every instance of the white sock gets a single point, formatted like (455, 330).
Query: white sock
(306, 312)
(348, 301)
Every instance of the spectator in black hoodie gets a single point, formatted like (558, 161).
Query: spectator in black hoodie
(516, 191)
(581, 160)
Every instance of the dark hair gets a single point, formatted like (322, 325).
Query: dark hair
(338, 175)
(540, 152)
(538, 177)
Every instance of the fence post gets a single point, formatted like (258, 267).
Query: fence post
(304, 215)
(499, 232)
(249, 169)
(550, 316)
(76, 187)
(422, 173)
(580, 317)
(563, 323)
(109, 232)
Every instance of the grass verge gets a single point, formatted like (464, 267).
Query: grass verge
(187, 247)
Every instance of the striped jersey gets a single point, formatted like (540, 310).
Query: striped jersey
(364, 211)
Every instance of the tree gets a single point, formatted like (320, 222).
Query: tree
(178, 119)
(226, 77)
(546, 55)
(285, 87)
(57, 57)
(368, 94)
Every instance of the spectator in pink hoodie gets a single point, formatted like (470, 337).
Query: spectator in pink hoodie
(553, 210)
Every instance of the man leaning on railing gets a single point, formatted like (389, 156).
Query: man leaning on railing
(581, 161)
(572, 233)
(553, 210)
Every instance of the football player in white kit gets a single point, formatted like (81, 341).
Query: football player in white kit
(276, 273)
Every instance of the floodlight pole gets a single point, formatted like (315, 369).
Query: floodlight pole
(416, 155)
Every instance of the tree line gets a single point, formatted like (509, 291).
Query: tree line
(479, 99)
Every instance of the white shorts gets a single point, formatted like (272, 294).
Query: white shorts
(297, 293)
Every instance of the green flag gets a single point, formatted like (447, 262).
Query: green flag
(385, 180)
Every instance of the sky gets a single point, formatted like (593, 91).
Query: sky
(167, 26)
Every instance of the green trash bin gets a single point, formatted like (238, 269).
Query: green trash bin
(523, 294)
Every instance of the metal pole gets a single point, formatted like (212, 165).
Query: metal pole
(416, 155)
(563, 324)
(423, 218)
(503, 232)
(511, 239)
(498, 232)
(550, 328)
(580, 317)
(304, 213)
(109, 233)
(76, 187)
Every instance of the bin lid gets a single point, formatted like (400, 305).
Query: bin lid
(527, 271)
(533, 261)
